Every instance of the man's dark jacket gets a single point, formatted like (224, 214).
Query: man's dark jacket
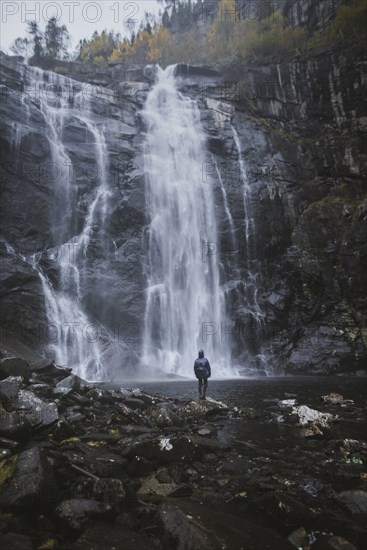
(202, 368)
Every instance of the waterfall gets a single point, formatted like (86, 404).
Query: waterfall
(74, 338)
(185, 308)
(250, 284)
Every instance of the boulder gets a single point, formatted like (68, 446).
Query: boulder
(14, 366)
(108, 490)
(73, 514)
(166, 449)
(37, 411)
(10, 387)
(15, 541)
(355, 501)
(118, 537)
(14, 425)
(333, 398)
(67, 385)
(32, 484)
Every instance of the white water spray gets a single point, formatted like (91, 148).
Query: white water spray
(185, 308)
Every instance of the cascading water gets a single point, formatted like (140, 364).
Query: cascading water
(72, 334)
(250, 283)
(185, 308)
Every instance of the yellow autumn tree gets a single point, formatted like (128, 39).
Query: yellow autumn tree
(162, 49)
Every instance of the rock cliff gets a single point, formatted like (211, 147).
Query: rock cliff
(284, 149)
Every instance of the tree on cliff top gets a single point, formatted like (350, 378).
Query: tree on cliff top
(57, 39)
(53, 43)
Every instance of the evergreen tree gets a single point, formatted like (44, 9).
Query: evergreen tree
(37, 39)
(56, 39)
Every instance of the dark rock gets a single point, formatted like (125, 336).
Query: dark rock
(166, 414)
(38, 412)
(285, 509)
(163, 476)
(96, 460)
(189, 525)
(14, 366)
(339, 543)
(75, 513)
(32, 485)
(10, 387)
(236, 466)
(166, 449)
(107, 490)
(150, 73)
(49, 372)
(183, 491)
(118, 537)
(15, 541)
(355, 501)
(14, 425)
(68, 384)
(333, 398)
(140, 466)
(299, 537)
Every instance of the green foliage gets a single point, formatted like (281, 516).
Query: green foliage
(232, 39)
(349, 25)
(7, 469)
(99, 48)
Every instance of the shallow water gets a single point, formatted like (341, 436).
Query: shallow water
(252, 391)
(262, 395)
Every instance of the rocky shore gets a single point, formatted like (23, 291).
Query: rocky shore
(87, 467)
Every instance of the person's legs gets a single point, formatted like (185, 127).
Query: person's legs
(200, 387)
(205, 387)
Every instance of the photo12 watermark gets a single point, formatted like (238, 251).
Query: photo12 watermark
(71, 11)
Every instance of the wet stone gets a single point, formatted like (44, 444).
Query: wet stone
(15, 541)
(14, 366)
(14, 425)
(75, 513)
(37, 411)
(299, 537)
(32, 484)
(10, 387)
(355, 501)
(333, 398)
(118, 537)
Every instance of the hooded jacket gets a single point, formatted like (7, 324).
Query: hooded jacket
(202, 367)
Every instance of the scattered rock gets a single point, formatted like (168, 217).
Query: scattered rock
(355, 501)
(333, 398)
(299, 537)
(10, 387)
(152, 487)
(166, 449)
(118, 537)
(14, 366)
(14, 425)
(32, 485)
(15, 541)
(286, 403)
(37, 411)
(75, 513)
(68, 384)
(338, 543)
(204, 432)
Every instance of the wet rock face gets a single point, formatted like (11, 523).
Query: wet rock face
(300, 125)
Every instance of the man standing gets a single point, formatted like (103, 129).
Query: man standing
(202, 372)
